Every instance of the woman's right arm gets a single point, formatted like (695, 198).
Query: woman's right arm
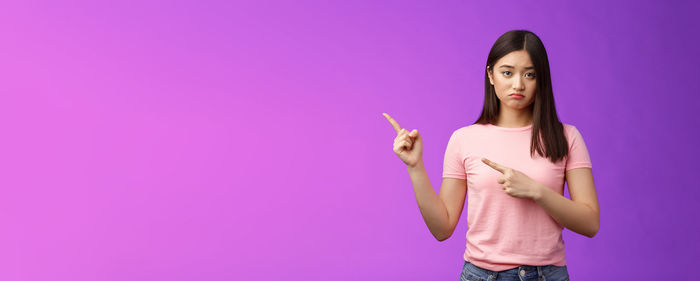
(440, 212)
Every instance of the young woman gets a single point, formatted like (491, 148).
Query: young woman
(513, 161)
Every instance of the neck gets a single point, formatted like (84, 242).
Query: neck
(514, 118)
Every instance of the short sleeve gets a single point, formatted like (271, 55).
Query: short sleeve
(578, 153)
(453, 165)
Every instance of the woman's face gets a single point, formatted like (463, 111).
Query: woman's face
(513, 78)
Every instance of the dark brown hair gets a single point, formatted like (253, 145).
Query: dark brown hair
(551, 142)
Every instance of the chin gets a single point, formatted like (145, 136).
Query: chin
(519, 106)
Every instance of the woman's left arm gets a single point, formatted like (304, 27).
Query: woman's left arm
(580, 214)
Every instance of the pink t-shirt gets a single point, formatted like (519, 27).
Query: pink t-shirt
(505, 232)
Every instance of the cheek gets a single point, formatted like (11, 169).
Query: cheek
(533, 91)
(500, 86)
(532, 86)
(500, 91)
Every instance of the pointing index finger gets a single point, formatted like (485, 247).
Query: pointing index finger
(493, 165)
(393, 122)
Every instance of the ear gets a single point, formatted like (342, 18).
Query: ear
(490, 74)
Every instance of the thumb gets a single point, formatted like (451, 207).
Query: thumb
(414, 133)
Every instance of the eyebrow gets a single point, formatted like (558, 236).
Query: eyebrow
(508, 66)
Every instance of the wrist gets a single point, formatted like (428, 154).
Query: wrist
(539, 191)
(418, 165)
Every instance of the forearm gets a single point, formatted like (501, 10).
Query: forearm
(431, 207)
(577, 217)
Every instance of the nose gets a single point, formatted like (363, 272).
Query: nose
(518, 84)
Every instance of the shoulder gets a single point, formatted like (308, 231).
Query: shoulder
(570, 131)
(568, 127)
(573, 135)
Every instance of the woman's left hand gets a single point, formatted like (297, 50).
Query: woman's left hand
(514, 182)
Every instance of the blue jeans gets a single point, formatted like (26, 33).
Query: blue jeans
(472, 272)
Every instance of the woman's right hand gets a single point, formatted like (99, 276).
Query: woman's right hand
(407, 145)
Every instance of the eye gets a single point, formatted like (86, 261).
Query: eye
(506, 73)
(532, 75)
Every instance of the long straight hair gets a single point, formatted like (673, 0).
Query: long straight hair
(548, 138)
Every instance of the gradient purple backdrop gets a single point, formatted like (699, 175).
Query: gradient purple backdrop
(218, 140)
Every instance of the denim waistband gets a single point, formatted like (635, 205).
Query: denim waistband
(525, 271)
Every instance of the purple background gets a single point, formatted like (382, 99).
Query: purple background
(191, 140)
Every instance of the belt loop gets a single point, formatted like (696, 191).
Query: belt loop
(540, 276)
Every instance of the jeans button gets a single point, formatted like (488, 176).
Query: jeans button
(522, 272)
